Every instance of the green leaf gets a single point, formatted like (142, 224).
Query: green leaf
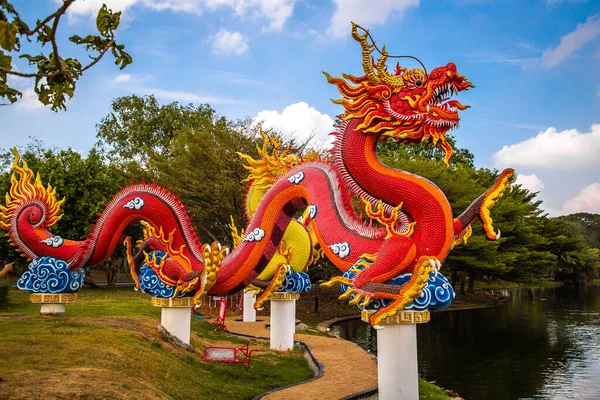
(23, 27)
(8, 35)
(34, 59)
(124, 60)
(45, 34)
(5, 61)
(10, 94)
(116, 21)
(104, 20)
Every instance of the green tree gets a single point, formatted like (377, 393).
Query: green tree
(585, 224)
(519, 254)
(86, 182)
(577, 261)
(55, 76)
(189, 148)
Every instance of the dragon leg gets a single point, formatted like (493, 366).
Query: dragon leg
(370, 283)
(274, 286)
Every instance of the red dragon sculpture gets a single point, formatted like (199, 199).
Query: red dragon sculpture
(416, 227)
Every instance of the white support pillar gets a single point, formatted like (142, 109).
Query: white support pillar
(176, 316)
(397, 362)
(283, 320)
(52, 309)
(53, 303)
(177, 321)
(397, 371)
(249, 313)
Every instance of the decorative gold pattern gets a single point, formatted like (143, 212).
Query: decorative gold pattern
(53, 297)
(285, 296)
(401, 317)
(172, 302)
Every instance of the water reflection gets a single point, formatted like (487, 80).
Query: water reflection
(544, 343)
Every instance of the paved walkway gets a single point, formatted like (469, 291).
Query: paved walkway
(348, 369)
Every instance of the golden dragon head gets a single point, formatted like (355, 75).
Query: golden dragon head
(409, 105)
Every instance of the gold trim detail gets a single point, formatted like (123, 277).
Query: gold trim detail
(172, 302)
(401, 317)
(285, 296)
(53, 297)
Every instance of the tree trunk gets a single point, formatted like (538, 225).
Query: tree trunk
(454, 278)
(462, 285)
(472, 278)
(112, 272)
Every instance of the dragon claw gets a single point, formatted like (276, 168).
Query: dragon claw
(411, 290)
(275, 284)
(432, 263)
(356, 299)
(337, 280)
(349, 292)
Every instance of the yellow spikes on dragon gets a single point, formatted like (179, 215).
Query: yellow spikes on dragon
(295, 250)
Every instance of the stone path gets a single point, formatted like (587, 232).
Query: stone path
(348, 369)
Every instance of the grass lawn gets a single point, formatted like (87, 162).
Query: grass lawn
(431, 392)
(107, 346)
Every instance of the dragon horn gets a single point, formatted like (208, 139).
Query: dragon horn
(366, 52)
(390, 80)
(367, 48)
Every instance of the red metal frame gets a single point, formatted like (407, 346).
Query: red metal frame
(233, 356)
(234, 303)
(221, 316)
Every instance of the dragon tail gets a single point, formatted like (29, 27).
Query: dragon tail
(481, 207)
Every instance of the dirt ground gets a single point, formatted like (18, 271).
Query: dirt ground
(347, 368)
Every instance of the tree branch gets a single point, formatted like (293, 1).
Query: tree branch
(59, 13)
(25, 75)
(90, 65)
(100, 55)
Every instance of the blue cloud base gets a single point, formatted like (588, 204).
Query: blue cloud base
(295, 282)
(151, 284)
(437, 295)
(51, 275)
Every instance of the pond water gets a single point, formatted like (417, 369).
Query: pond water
(543, 343)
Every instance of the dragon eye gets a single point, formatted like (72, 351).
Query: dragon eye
(419, 83)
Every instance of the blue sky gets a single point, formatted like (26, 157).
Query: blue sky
(535, 64)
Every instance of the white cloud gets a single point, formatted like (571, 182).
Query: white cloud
(588, 200)
(89, 8)
(121, 78)
(530, 182)
(568, 149)
(29, 101)
(572, 42)
(366, 13)
(277, 12)
(226, 42)
(298, 120)
(187, 97)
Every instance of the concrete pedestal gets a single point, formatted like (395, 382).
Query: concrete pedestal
(177, 320)
(176, 316)
(249, 313)
(283, 321)
(52, 309)
(397, 372)
(397, 362)
(53, 303)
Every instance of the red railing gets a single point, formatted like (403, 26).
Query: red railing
(234, 302)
